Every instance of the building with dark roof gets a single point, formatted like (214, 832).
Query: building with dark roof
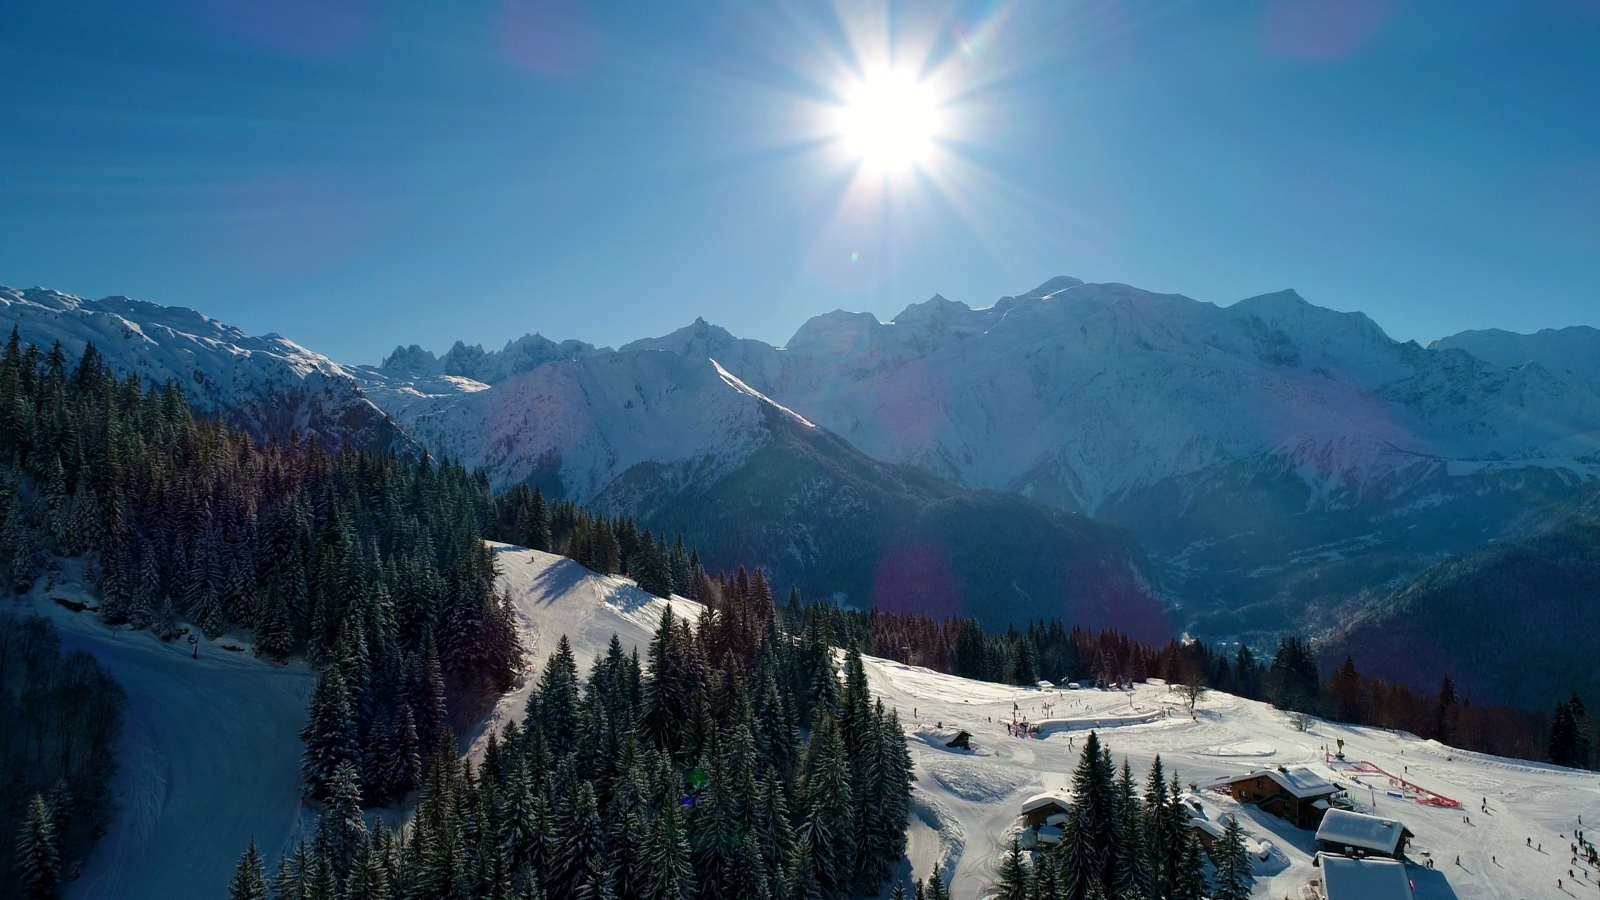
(1299, 795)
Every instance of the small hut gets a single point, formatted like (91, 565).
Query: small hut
(1045, 810)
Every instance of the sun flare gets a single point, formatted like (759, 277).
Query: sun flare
(890, 122)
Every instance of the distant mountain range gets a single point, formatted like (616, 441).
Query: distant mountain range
(1086, 450)
(1282, 463)
(269, 385)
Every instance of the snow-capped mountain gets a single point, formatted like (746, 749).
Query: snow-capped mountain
(575, 426)
(1564, 352)
(684, 446)
(1277, 458)
(267, 385)
(1079, 393)
(524, 354)
(1281, 463)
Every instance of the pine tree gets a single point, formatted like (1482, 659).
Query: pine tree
(1584, 746)
(249, 879)
(666, 701)
(201, 598)
(664, 872)
(1188, 876)
(341, 830)
(1090, 833)
(579, 838)
(368, 879)
(329, 735)
(1131, 859)
(716, 835)
(1232, 863)
(37, 859)
(1294, 683)
(652, 573)
(1563, 745)
(829, 826)
(1449, 714)
(1015, 875)
(290, 882)
(558, 699)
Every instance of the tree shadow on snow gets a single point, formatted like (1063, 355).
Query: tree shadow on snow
(558, 579)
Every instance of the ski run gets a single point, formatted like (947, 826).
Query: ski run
(211, 758)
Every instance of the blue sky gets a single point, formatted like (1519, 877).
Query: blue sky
(357, 173)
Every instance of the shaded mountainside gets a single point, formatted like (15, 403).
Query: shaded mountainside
(1252, 553)
(819, 514)
(267, 386)
(1512, 624)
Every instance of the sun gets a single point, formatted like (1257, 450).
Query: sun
(890, 121)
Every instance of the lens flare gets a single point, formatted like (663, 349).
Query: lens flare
(890, 122)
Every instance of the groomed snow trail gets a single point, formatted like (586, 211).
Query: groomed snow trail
(981, 790)
(210, 757)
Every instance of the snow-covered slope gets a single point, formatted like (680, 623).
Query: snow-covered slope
(555, 596)
(267, 385)
(212, 756)
(211, 752)
(966, 804)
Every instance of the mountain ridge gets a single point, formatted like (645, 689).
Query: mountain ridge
(268, 385)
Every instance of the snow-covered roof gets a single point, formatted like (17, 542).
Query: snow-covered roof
(1364, 879)
(1040, 801)
(1300, 782)
(1207, 826)
(1353, 829)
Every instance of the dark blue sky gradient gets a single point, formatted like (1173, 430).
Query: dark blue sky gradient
(356, 174)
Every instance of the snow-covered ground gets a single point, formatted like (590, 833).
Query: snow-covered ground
(967, 802)
(555, 596)
(211, 756)
(211, 749)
